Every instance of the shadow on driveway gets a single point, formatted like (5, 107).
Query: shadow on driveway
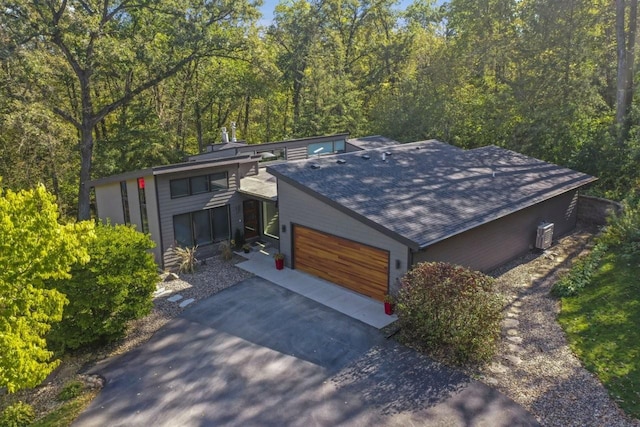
(259, 355)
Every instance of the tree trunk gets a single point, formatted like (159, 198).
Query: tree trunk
(621, 46)
(625, 41)
(86, 146)
(631, 45)
(198, 113)
(86, 153)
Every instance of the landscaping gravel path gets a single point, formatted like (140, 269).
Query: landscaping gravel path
(535, 366)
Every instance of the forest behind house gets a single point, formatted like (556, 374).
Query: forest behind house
(93, 88)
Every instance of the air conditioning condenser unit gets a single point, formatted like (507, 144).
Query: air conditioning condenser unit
(544, 236)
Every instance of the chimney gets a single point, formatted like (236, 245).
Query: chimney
(233, 132)
(225, 135)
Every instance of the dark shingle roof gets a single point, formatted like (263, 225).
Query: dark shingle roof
(427, 191)
(374, 141)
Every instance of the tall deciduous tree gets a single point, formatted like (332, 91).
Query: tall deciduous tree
(626, 24)
(127, 46)
(34, 248)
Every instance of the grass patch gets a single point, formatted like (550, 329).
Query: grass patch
(602, 327)
(68, 412)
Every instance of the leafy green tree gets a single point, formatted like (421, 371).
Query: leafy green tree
(87, 59)
(112, 289)
(34, 248)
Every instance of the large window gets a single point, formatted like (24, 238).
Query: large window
(201, 227)
(198, 184)
(142, 198)
(271, 155)
(324, 148)
(270, 222)
(125, 202)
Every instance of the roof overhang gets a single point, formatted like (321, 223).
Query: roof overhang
(176, 168)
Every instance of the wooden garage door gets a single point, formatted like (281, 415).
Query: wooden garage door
(359, 267)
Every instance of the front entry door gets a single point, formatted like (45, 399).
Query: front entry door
(250, 209)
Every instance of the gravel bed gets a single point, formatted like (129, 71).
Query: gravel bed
(534, 365)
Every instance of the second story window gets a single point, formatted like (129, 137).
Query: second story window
(198, 184)
(324, 148)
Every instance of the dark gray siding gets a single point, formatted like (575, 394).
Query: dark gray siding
(492, 244)
(248, 169)
(171, 207)
(298, 207)
(297, 153)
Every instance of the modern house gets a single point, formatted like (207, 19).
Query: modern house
(356, 212)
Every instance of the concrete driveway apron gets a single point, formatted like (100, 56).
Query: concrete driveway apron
(259, 355)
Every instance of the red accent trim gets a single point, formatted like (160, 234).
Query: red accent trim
(141, 183)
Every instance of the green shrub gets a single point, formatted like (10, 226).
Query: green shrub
(187, 259)
(450, 311)
(115, 287)
(580, 274)
(623, 230)
(17, 415)
(70, 390)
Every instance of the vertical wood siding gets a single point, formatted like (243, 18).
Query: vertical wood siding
(361, 268)
(298, 207)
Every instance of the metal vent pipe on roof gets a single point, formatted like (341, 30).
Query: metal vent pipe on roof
(233, 132)
(225, 135)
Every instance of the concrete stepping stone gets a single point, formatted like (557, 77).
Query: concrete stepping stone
(511, 314)
(161, 291)
(513, 359)
(512, 332)
(516, 348)
(186, 302)
(515, 310)
(510, 323)
(490, 381)
(517, 303)
(515, 339)
(175, 298)
(498, 368)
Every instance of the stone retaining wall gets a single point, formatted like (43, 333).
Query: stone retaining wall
(595, 210)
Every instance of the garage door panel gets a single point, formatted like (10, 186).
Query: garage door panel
(358, 267)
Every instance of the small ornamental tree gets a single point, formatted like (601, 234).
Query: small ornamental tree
(34, 248)
(115, 287)
(450, 311)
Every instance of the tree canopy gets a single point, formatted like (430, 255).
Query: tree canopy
(93, 88)
(34, 248)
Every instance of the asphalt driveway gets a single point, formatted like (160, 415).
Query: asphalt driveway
(259, 355)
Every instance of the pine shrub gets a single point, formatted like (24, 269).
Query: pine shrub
(450, 311)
